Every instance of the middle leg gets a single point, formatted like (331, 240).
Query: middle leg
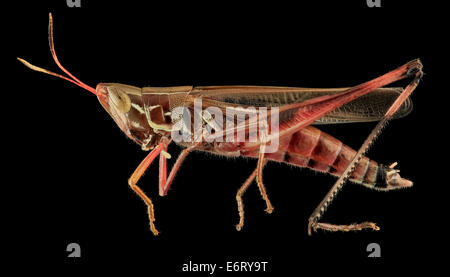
(240, 202)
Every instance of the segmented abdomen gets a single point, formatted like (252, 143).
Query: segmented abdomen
(312, 148)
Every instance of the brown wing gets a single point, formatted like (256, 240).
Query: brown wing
(370, 107)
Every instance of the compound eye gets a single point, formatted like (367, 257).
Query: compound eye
(119, 99)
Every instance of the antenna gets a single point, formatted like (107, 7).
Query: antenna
(72, 78)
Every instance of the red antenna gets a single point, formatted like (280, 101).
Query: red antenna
(72, 78)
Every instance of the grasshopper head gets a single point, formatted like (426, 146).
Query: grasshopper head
(124, 104)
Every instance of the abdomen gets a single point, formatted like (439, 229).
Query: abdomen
(321, 152)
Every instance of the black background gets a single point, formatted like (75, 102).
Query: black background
(74, 162)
